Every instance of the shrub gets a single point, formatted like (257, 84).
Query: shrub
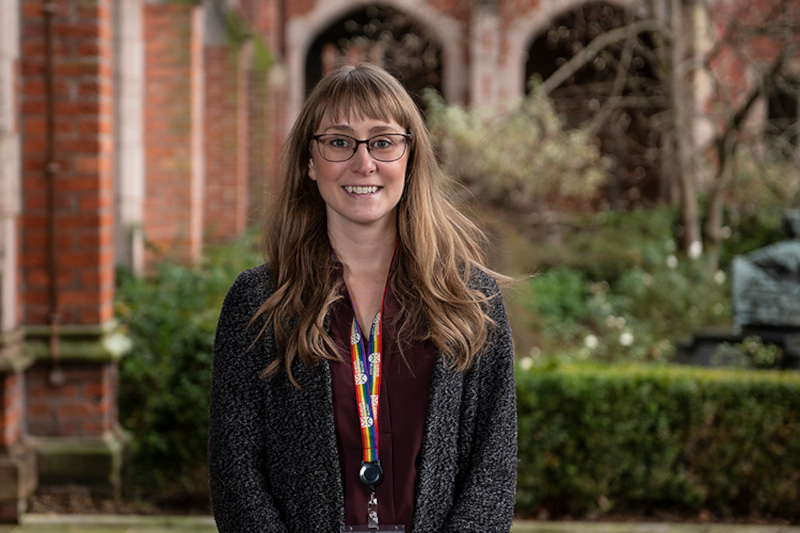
(641, 317)
(606, 245)
(518, 156)
(171, 315)
(616, 291)
(597, 439)
(765, 183)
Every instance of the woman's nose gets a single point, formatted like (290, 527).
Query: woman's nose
(362, 161)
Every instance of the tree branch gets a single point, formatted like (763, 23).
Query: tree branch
(579, 60)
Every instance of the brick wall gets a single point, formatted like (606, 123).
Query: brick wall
(84, 404)
(267, 102)
(266, 18)
(226, 185)
(173, 208)
(84, 155)
(244, 126)
(259, 150)
(751, 40)
(11, 408)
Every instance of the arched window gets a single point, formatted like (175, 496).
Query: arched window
(381, 35)
(617, 89)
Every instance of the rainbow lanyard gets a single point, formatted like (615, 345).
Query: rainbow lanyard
(366, 362)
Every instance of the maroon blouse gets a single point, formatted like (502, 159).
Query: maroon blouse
(405, 385)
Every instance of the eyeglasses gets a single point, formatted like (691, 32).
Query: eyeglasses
(386, 147)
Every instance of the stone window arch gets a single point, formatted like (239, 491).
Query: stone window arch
(302, 32)
(619, 90)
(384, 36)
(524, 30)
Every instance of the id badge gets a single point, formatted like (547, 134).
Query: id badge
(365, 529)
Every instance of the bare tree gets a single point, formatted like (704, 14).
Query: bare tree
(763, 40)
(755, 45)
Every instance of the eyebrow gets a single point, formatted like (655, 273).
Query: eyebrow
(373, 130)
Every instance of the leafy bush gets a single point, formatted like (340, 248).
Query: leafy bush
(517, 156)
(765, 182)
(171, 316)
(596, 439)
(606, 245)
(751, 352)
(616, 292)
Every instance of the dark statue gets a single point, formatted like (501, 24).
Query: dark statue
(765, 292)
(766, 283)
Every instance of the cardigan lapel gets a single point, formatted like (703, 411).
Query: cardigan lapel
(305, 441)
(439, 464)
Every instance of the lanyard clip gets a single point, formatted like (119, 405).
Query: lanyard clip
(372, 509)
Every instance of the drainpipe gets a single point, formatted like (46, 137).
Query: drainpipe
(51, 170)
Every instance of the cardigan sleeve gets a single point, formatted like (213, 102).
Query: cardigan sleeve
(485, 492)
(240, 495)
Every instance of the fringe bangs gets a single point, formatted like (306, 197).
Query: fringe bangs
(357, 96)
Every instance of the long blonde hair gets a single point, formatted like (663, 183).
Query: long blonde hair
(438, 247)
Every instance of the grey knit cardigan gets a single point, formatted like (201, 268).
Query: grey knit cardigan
(273, 461)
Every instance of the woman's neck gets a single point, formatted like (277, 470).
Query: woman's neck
(366, 256)
(364, 250)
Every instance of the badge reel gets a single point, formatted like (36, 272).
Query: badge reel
(371, 474)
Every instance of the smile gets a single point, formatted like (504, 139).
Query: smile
(372, 189)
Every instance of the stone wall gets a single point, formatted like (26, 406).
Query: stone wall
(17, 464)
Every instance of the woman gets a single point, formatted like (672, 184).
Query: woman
(320, 422)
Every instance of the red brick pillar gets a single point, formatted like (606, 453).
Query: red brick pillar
(71, 390)
(269, 99)
(173, 129)
(11, 410)
(258, 158)
(225, 140)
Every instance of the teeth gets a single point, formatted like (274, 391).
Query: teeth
(361, 190)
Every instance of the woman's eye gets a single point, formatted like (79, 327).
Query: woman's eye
(339, 142)
(382, 144)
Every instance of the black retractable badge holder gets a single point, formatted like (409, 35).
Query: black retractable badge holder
(371, 474)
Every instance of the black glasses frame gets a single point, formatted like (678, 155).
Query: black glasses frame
(406, 136)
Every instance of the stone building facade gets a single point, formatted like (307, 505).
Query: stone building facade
(132, 130)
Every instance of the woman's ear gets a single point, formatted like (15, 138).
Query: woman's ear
(312, 172)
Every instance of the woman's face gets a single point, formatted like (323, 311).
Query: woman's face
(361, 191)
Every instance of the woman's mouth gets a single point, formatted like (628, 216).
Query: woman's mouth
(369, 189)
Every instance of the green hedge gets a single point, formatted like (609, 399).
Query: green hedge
(601, 439)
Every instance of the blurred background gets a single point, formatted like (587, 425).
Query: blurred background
(629, 154)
